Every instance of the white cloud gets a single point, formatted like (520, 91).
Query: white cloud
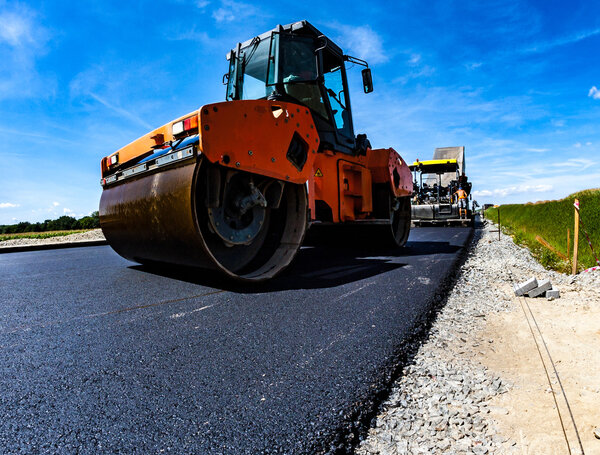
(417, 73)
(537, 150)
(588, 143)
(66, 210)
(415, 59)
(416, 68)
(7, 205)
(55, 204)
(22, 40)
(473, 65)
(363, 42)
(223, 15)
(230, 11)
(16, 30)
(594, 93)
(190, 35)
(580, 163)
(518, 189)
(545, 46)
(110, 87)
(120, 111)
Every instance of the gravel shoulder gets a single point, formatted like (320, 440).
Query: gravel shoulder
(94, 234)
(477, 384)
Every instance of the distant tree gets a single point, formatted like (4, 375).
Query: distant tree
(90, 222)
(23, 226)
(63, 223)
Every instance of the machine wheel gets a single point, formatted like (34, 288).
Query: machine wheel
(401, 219)
(258, 226)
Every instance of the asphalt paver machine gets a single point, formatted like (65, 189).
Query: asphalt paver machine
(235, 185)
(435, 184)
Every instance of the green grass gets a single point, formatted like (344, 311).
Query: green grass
(39, 235)
(550, 220)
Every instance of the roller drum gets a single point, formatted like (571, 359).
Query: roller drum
(162, 218)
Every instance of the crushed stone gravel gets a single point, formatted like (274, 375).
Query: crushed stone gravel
(441, 402)
(94, 234)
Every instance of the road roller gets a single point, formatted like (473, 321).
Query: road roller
(236, 185)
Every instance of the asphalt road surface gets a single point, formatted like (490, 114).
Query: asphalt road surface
(100, 355)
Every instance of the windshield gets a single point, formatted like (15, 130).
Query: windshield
(297, 71)
(297, 62)
(288, 67)
(251, 83)
(284, 63)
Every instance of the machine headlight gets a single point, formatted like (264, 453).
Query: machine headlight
(177, 128)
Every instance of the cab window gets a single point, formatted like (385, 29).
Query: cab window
(298, 71)
(254, 71)
(336, 94)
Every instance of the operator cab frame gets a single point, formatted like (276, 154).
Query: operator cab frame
(297, 63)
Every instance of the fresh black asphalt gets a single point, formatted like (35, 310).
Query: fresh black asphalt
(100, 355)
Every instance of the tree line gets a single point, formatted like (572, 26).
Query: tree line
(63, 223)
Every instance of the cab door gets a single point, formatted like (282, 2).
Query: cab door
(335, 93)
(338, 101)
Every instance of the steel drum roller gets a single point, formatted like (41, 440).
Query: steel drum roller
(163, 217)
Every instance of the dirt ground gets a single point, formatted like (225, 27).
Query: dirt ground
(527, 413)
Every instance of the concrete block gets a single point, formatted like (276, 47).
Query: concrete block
(542, 287)
(553, 293)
(523, 288)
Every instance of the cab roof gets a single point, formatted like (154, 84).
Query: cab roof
(300, 28)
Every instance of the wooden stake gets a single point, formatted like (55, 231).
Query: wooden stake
(499, 228)
(568, 242)
(576, 237)
(551, 248)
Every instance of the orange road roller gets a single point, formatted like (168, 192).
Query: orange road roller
(236, 185)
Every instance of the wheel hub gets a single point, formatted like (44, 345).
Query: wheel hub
(241, 214)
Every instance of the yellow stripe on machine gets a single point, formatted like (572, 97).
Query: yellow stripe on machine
(446, 165)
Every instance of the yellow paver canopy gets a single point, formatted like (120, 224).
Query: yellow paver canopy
(434, 166)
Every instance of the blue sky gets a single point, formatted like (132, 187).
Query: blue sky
(517, 83)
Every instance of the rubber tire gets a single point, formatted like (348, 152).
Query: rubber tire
(401, 221)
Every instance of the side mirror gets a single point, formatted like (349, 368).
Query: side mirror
(367, 80)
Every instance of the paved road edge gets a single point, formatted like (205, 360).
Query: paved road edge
(359, 418)
(51, 246)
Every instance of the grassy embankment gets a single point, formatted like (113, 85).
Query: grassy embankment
(39, 235)
(550, 220)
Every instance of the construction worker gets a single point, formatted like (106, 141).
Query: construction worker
(462, 201)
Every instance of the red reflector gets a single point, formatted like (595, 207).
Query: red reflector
(190, 123)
